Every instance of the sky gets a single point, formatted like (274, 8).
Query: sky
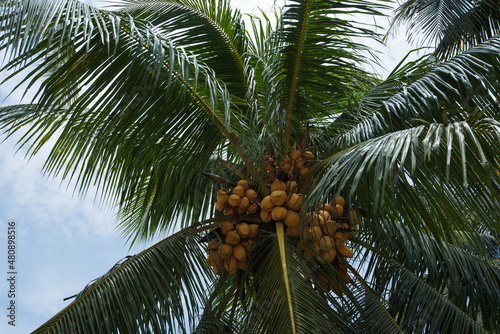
(64, 241)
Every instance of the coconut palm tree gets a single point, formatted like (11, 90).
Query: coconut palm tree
(168, 105)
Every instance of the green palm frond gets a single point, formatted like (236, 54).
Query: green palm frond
(164, 284)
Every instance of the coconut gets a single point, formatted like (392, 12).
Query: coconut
(243, 183)
(340, 235)
(244, 203)
(278, 213)
(292, 218)
(287, 160)
(253, 208)
(267, 203)
(329, 255)
(293, 231)
(325, 214)
(228, 211)
(315, 219)
(223, 192)
(239, 190)
(307, 155)
(232, 238)
(278, 197)
(247, 243)
(219, 206)
(303, 171)
(312, 233)
(287, 167)
(254, 231)
(294, 202)
(327, 207)
(278, 185)
(234, 200)
(239, 251)
(299, 164)
(339, 211)
(242, 265)
(214, 259)
(326, 242)
(231, 265)
(251, 194)
(344, 251)
(222, 198)
(243, 230)
(225, 251)
(291, 187)
(352, 231)
(240, 210)
(213, 245)
(226, 226)
(265, 215)
(295, 154)
(329, 228)
(339, 200)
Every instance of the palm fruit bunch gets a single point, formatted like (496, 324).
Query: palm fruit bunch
(241, 200)
(320, 235)
(229, 251)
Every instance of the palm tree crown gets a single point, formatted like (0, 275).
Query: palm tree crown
(168, 105)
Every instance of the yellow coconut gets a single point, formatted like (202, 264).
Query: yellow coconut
(338, 211)
(254, 230)
(251, 194)
(244, 203)
(344, 251)
(240, 210)
(243, 229)
(243, 183)
(326, 242)
(291, 187)
(234, 200)
(278, 197)
(303, 171)
(312, 233)
(329, 228)
(225, 251)
(299, 164)
(327, 207)
(243, 264)
(339, 200)
(279, 213)
(267, 203)
(253, 208)
(295, 154)
(222, 198)
(329, 255)
(239, 190)
(292, 218)
(228, 211)
(239, 251)
(294, 201)
(247, 243)
(265, 216)
(340, 236)
(287, 167)
(213, 245)
(231, 265)
(226, 226)
(232, 238)
(315, 219)
(223, 192)
(325, 214)
(220, 206)
(214, 259)
(307, 155)
(293, 231)
(278, 185)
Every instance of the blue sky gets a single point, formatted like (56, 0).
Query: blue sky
(64, 241)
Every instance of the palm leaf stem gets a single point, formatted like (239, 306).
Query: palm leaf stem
(289, 112)
(281, 241)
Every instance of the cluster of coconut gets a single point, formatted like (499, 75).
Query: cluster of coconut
(229, 251)
(296, 163)
(241, 200)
